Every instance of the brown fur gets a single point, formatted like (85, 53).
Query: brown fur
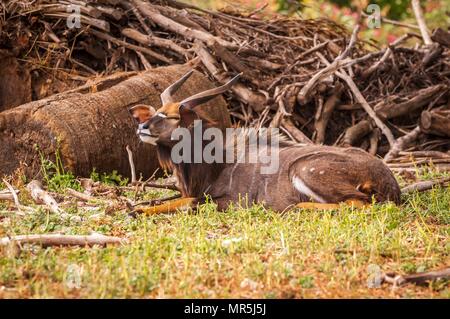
(188, 173)
(171, 109)
(330, 172)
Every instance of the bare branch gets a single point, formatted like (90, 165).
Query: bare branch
(421, 22)
(132, 167)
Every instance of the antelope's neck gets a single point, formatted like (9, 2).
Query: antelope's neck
(194, 179)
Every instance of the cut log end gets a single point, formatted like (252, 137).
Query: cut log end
(436, 122)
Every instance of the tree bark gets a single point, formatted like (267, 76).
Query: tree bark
(91, 129)
(15, 82)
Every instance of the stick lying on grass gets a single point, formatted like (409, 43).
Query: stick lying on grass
(7, 195)
(81, 196)
(40, 196)
(418, 279)
(13, 193)
(63, 240)
(132, 167)
(424, 186)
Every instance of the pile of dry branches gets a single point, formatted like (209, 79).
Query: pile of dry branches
(310, 78)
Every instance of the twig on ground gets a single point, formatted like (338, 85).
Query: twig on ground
(13, 194)
(133, 47)
(82, 196)
(418, 279)
(424, 185)
(394, 22)
(164, 186)
(324, 116)
(132, 167)
(40, 196)
(7, 196)
(47, 240)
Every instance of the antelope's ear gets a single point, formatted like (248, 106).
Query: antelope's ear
(187, 116)
(142, 113)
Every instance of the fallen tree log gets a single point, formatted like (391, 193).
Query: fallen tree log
(91, 130)
(436, 123)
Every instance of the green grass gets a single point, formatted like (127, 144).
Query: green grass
(250, 252)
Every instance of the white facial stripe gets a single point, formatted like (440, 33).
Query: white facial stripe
(145, 136)
(148, 139)
(143, 131)
(302, 188)
(161, 115)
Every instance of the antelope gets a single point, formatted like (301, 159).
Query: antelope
(308, 176)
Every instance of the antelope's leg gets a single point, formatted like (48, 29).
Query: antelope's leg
(319, 206)
(357, 203)
(326, 206)
(169, 206)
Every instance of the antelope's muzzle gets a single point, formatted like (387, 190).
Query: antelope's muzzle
(145, 135)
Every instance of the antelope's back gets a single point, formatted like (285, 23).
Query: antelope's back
(340, 174)
(333, 174)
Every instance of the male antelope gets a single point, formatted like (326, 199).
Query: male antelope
(309, 176)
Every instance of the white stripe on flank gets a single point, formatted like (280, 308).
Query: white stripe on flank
(230, 184)
(302, 188)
